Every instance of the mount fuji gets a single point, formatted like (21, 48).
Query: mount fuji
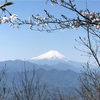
(50, 57)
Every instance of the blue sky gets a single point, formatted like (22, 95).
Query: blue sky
(24, 43)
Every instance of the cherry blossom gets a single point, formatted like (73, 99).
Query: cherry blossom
(38, 16)
(4, 19)
(13, 17)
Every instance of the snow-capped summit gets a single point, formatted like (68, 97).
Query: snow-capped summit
(51, 56)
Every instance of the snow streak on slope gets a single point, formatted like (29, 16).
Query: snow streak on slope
(51, 55)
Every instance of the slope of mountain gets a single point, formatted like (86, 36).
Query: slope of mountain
(66, 66)
(59, 79)
(18, 65)
(50, 57)
(54, 79)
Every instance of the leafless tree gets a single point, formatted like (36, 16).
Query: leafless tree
(57, 95)
(4, 89)
(28, 88)
(89, 85)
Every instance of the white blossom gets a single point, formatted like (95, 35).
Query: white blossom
(70, 25)
(97, 19)
(62, 30)
(73, 26)
(31, 26)
(13, 17)
(38, 23)
(52, 4)
(85, 13)
(93, 20)
(38, 16)
(46, 18)
(46, 24)
(91, 16)
(92, 13)
(98, 26)
(4, 19)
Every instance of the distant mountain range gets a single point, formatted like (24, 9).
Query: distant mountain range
(61, 75)
(52, 68)
(48, 61)
(18, 65)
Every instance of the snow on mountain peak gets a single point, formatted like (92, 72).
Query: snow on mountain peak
(50, 55)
